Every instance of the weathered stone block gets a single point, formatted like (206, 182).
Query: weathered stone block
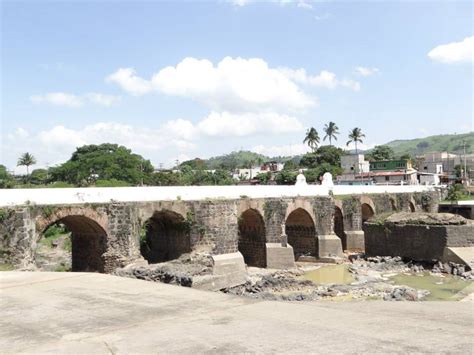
(355, 240)
(280, 257)
(329, 245)
(228, 271)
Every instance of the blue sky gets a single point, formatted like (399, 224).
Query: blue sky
(178, 80)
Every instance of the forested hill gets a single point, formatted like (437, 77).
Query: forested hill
(233, 160)
(452, 143)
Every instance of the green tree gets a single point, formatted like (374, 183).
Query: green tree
(312, 138)
(381, 152)
(325, 154)
(103, 162)
(331, 131)
(455, 192)
(39, 177)
(6, 179)
(27, 160)
(290, 165)
(195, 164)
(314, 174)
(286, 177)
(264, 178)
(355, 135)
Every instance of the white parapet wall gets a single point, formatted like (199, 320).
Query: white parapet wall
(53, 196)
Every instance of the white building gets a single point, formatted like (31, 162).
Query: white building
(354, 164)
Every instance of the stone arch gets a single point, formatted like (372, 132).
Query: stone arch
(366, 212)
(301, 232)
(252, 238)
(339, 226)
(393, 204)
(166, 236)
(43, 222)
(88, 240)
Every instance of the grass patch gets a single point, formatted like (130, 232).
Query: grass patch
(381, 217)
(53, 233)
(6, 267)
(343, 197)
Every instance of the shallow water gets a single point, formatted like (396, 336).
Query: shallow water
(447, 288)
(334, 274)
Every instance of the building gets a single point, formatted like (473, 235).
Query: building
(428, 178)
(393, 172)
(272, 166)
(445, 164)
(354, 164)
(355, 170)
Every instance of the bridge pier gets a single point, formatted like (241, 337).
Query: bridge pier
(280, 257)
(329, 245)
(355, 240)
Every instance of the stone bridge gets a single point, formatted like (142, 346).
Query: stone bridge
(269, 226)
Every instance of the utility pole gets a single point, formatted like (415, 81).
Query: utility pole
(465, 163)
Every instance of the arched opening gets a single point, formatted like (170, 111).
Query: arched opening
(252, 238)
(76, 237)
(412, 207)
(339, 226)
(165, 237)
(393, 204)
(301, 232)
(367, 212)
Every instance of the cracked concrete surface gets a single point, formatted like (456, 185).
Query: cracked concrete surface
(104, 314)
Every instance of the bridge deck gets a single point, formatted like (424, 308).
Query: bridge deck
(103, 314)
(15, 197)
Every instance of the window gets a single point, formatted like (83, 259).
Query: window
(387, 178)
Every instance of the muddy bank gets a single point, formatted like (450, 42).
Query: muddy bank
(357, 278)
(180, 271)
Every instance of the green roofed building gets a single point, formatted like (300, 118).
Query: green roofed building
(390, 165)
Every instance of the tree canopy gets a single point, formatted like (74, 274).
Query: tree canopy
(381, 152)
(103, 162)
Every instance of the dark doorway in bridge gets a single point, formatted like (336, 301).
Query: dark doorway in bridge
(339, 227)
(367, 212)
(166, 237)
(73, 243)
(252, 238)
(301, 232)
(393, 204)
(412, 207)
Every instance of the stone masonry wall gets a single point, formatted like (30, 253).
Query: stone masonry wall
(418, 242)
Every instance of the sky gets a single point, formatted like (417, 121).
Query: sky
(175, 80)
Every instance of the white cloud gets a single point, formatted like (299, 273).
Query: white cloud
(325, 79)
(102, 99)
(181, 128)
(20, 133)
(58, 99)
(128, 81)
(74, 101)
(455, 52)
(228, 124)
(366, 71)
(234, 84)
(304, 5)
(281, 150)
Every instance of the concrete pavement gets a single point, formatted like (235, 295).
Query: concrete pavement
(96, 313)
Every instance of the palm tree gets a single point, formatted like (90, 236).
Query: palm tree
(331, 130)
(355, 136)
(26, 159)
(312, 138)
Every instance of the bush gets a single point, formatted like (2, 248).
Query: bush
(111, 183)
